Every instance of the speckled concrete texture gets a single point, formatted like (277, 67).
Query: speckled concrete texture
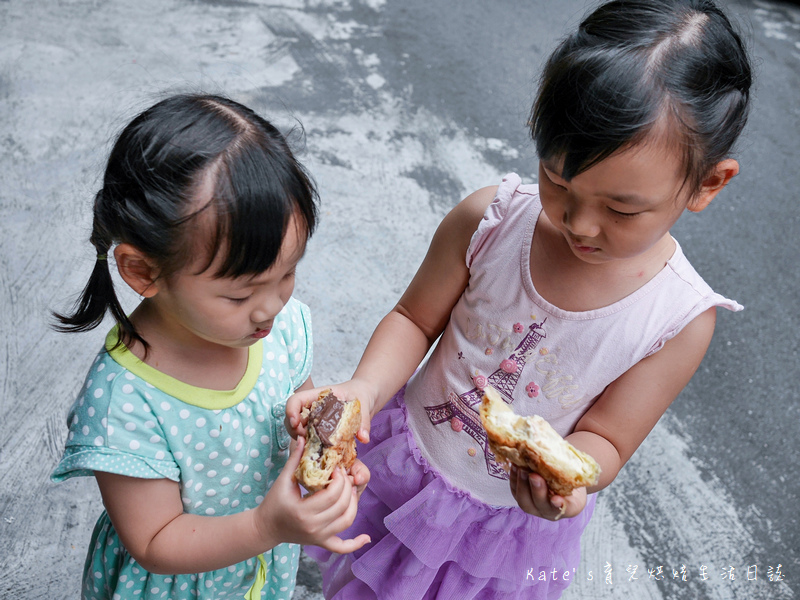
(406, 106)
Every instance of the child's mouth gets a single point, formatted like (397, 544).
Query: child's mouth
(261, 333)
(580, 248)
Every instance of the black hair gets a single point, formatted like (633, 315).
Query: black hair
(149, 197)
(630, 65)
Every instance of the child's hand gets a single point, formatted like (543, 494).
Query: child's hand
(531, 493)
(349, 390)
(359, 476)
(316, 519)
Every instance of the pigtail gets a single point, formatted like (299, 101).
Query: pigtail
(98, 296)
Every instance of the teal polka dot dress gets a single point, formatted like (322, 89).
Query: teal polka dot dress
(224, 448)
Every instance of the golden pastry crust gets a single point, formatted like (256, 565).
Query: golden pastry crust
(319, 460)
(531, 442)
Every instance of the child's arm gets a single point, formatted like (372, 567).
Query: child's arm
(404, 336)
(618, 422)
(148, 516)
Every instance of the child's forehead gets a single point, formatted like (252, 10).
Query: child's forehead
(292, 250)
(663, 141)
(639, 175)
(239, 222)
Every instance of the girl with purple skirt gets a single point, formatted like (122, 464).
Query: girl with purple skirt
(570, 297)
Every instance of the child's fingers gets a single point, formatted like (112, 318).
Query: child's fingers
(344, 495)
(363, 432)
(331, 501)
(538, 488)
(287, 473)
(552, 506)
(344, 519)
(542, 499)
(512, 480)
(293, 421)
(361, 475)
(533, 496)
(521, 490)
(334, 508)
(340, 546)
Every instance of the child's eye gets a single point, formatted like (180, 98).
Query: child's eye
(624, 214)
(290, 274)
(238, 300)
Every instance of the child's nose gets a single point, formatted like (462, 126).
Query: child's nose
(267, 309)
(580, 222)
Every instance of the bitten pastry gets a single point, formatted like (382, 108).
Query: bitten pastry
(330, 439)
(531, 442)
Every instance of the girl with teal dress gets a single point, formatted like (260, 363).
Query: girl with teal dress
(180, 419)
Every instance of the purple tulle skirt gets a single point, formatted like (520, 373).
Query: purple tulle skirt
(432, 540)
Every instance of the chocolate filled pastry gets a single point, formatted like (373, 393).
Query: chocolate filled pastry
(330, 439)
(531, 442)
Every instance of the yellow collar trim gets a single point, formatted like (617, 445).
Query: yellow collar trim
(196, 396)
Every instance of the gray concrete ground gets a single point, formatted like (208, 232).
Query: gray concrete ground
(407, 106)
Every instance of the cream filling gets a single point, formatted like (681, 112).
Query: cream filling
(539, 434)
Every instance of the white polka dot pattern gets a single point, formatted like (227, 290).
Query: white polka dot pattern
(225, 460)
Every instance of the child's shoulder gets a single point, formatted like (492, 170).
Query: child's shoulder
(290, 342)
(293, 320)
(492, 202)
(105, 378)
(492, 210)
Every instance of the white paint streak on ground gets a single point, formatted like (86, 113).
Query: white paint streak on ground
(705, 531)
(780, 23)
(375, 81)
(606, 543)
(376, 219)
(496, 145)
(375, 4)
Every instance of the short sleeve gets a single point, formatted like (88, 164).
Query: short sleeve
(299, 341)
(112, 428)
(494, 215)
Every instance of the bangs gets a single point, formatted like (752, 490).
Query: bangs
(591, 108)
(256, 193)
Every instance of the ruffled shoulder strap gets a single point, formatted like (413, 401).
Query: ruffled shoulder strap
(496, 213)
(691, 296)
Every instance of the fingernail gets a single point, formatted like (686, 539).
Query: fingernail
(537, 483)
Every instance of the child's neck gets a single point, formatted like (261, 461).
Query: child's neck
(184, 356)
(574, 285)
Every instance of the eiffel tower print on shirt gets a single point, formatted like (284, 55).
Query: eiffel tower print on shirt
(465, 406)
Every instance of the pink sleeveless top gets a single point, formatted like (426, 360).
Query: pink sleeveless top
(545, 360)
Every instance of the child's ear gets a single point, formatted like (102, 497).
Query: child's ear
(136, 269)
(723, 172)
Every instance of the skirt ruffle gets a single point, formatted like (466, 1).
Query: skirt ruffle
(432, 540)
